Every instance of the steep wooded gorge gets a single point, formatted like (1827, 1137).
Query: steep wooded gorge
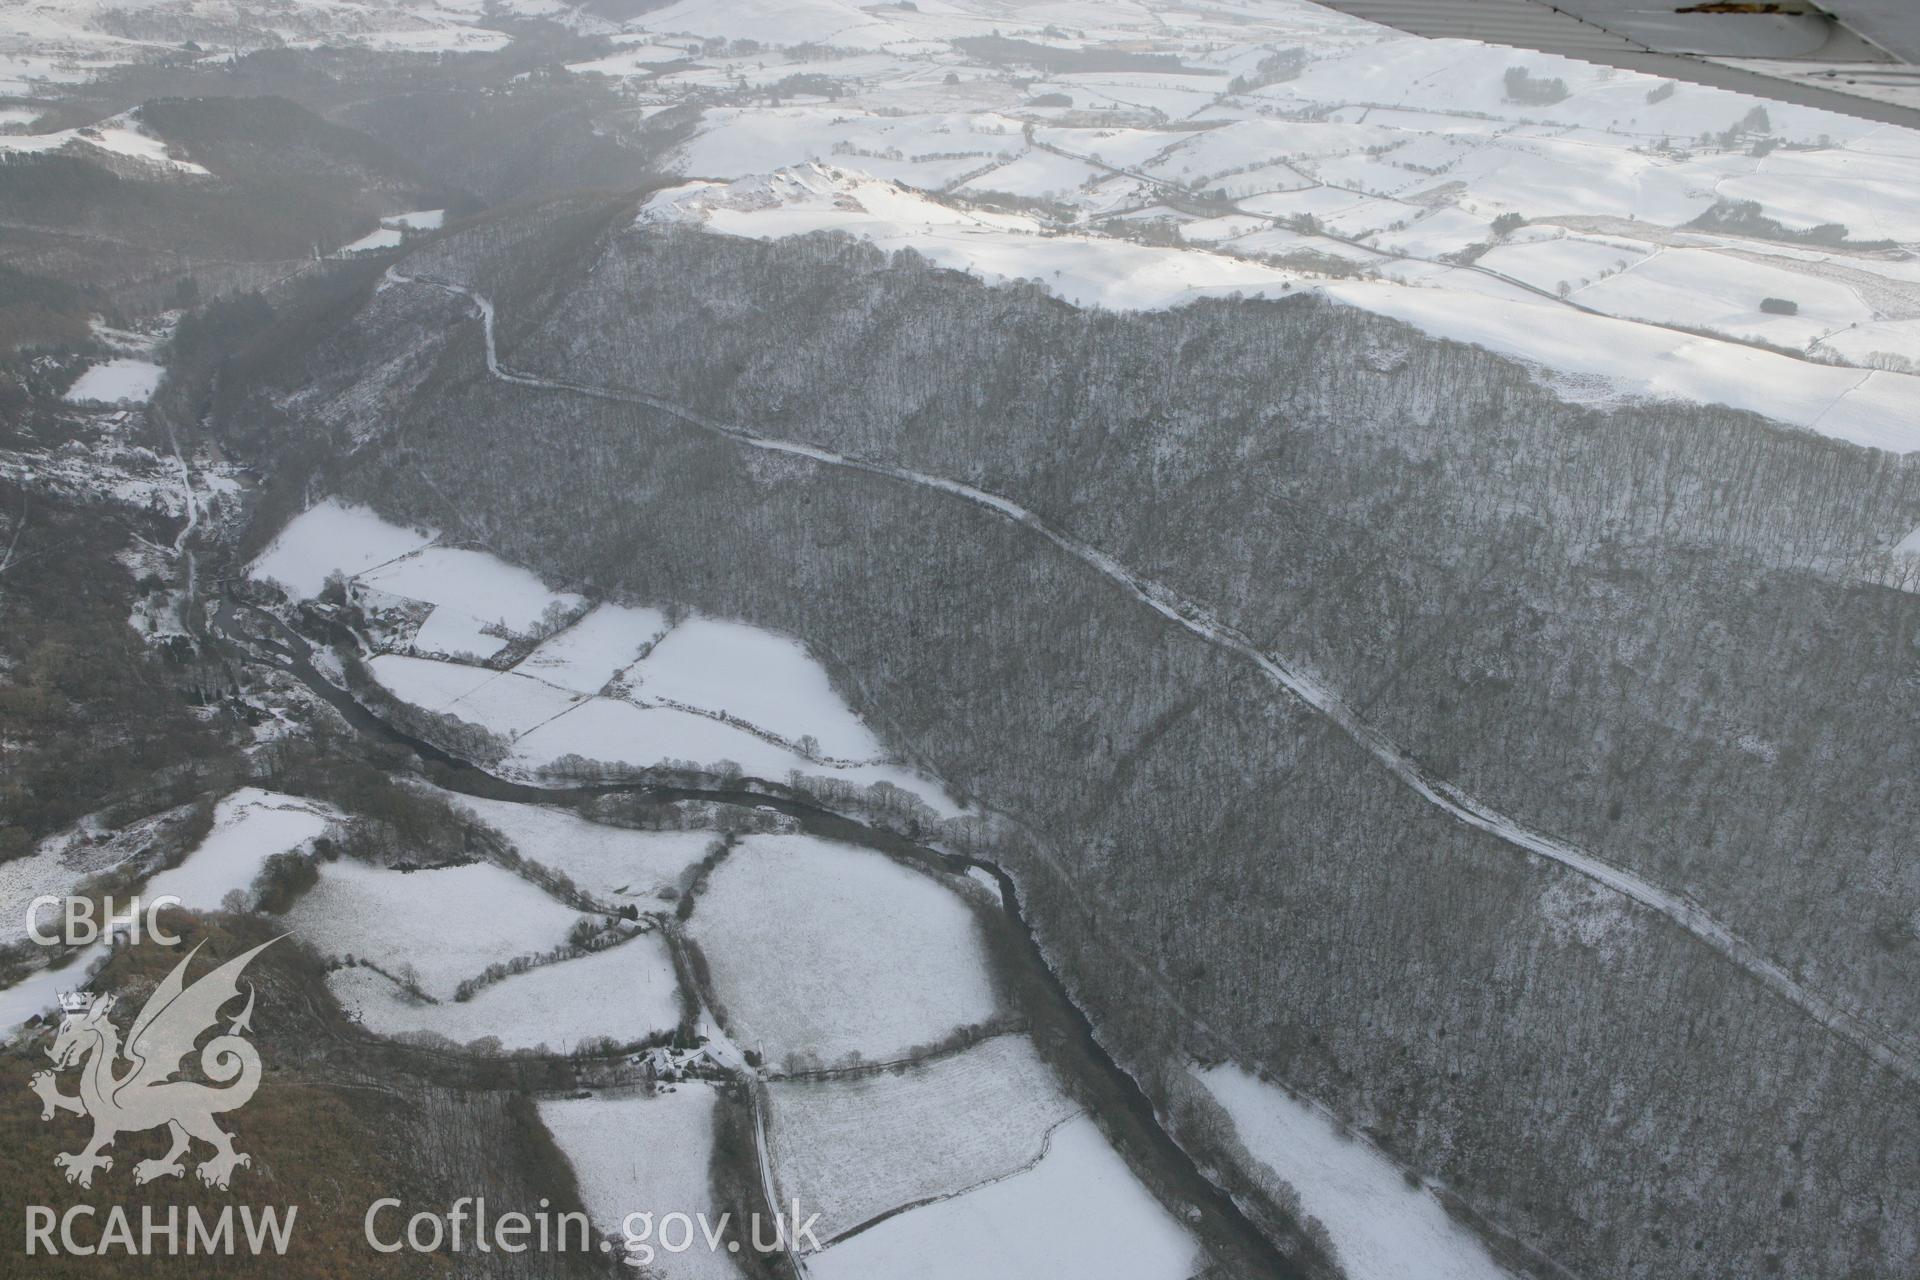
(1663, 633)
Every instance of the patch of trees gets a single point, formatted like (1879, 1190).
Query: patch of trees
(733, 1177)
(1061, 60)
(43, 313)
(1275, 68)
(1534, 91)
(282, 879)
(1745, 218)
(701, 872)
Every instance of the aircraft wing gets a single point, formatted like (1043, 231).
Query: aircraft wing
(1857, 57)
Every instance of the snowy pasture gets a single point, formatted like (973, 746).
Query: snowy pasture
(510, 704)
(249, 826)
(610, 863)
(1382, 1229)
(450, 633)
(1703, 289)
(823, 950)
(853, 1149)
(614, 732)
(374, 241)
(1079, 1214)
(472, 582)
(550, 705)
(633, 1154)
(332, 537)
(445, 925)
(121, 381)
(425, 682)
(590, 653)
(416, 220)
(1393, 153)
(625, 992)
(765, 679)
(39, 992)
(123, 136)
(60, 862)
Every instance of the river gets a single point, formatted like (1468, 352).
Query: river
(1060, 1028)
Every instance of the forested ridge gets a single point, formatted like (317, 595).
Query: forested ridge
(1581, 617)
(1662, 632)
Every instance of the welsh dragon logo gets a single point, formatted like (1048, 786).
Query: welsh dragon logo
(144, 1095)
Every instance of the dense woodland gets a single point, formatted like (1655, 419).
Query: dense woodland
(1661, 632)
(1653, 632)
(90, 715)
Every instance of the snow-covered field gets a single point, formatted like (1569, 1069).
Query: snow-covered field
(512, 704)
(765, 679)
(416, 220)
(614, 732)
(374, 241)
(1077, 1215)
(610, 863)
(332, 537)
(823, 949)
(121, 381)
(1086, 270)
(42, 45)
(1381, 1228)
(426, 682)
(472, 582)
(60, 862)
(1392, 153)
(1604, 360)
(451, 633)
(123, 136)
(551, 706)
(857, 1148)
(634, 1154)
(1700, 287)
(590, 653)
(249, 827)
(625, 993)
(39, 992)
(444, 925)
(476, 602)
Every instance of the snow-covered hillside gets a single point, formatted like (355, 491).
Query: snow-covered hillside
(1630, 236)
(1584, 354)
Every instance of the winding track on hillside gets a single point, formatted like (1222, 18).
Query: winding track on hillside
(1879, 1045)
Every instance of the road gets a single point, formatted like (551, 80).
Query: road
(1295, 681)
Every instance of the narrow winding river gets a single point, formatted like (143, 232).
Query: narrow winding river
(1059, 1027)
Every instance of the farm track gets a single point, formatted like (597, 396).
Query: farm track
(1879, 1045)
